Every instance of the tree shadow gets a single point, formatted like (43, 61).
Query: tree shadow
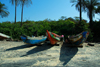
(67, 53)
(44, 46)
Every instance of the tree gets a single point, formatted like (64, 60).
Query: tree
(24, 2)
(90, 6)
(98, 9)
(63, 17)
(16, 3)
(79, 6)
(3, 10)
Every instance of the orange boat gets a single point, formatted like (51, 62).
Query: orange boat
(54, 38)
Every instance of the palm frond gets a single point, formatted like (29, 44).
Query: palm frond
(15, 2)
(25, 2)
(4, 13)
(3, 10)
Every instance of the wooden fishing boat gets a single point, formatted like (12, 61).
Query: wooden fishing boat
(3, 36)
(78, 39)
(33, 40)
(54, 38)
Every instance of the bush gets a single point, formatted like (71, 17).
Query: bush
(61, 27)
(81, 26)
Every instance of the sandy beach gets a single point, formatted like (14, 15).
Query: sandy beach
(19, 54)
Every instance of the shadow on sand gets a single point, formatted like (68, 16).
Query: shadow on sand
(20, 47)
(67, 53)
(44, 46)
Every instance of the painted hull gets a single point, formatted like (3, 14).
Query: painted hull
(78, 39)
(33, 40)
(52, 37)
(3, 36)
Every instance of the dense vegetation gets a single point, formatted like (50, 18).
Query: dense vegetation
(65, 27)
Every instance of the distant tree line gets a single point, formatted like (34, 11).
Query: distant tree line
(68, 26)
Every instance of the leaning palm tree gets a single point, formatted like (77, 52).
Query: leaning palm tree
(24, 2)
(90, 6)
(3, 10)
(16, 2)
(79, 6)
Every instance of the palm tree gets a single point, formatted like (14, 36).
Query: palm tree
(24, 2)
(90, 6)
(97, 9)
(79, 6)
(63, 18)
(80, 10)
(3, 10)
(16, 3)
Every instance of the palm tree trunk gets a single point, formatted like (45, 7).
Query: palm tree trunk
(91, 19)
(22, 15)
(15, 11)
(90, 15)
(80, 12)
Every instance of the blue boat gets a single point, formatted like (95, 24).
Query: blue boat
(33, 40)
(78, 39)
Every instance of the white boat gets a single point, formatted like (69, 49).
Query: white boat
(3, 36)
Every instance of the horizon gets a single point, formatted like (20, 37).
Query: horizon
(40, 10)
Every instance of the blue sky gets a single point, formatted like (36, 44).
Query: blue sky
(43, 9)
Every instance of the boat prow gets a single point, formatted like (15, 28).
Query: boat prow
(3, 36)
(33, 40)
(78, 39)
(53, 38)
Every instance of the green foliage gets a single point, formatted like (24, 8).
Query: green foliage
(90, 37)
(97, 10)
(61, 27)
(96, 32)
(5, 27)
(82, 26)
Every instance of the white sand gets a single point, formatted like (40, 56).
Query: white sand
(17, 53)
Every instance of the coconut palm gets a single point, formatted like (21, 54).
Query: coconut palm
(79, 6)
(98, 10)
(16, 2)
(3, 10)
(24, 2)
(90, 6)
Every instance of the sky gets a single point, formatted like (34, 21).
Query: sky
(43, 9)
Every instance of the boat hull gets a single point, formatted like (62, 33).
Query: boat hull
(33, 41)
(3, 36)
(79, 39)
(51, 37)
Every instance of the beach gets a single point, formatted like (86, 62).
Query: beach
(19, 54)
